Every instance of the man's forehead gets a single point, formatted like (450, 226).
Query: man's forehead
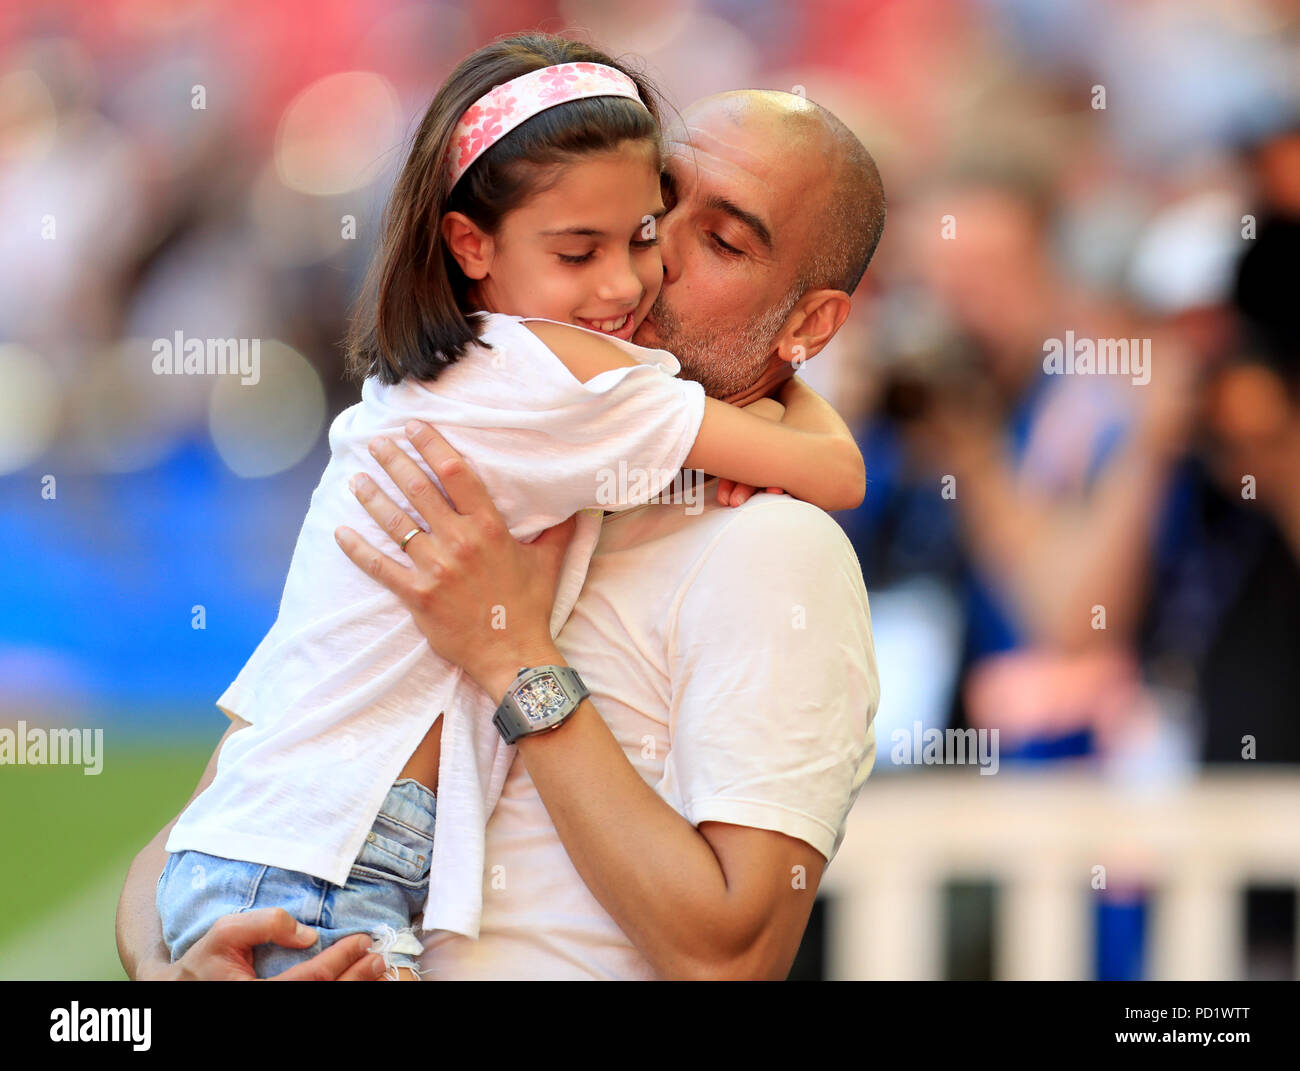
(727, 141)
(746, 164)
(722, 146)
(776, 139)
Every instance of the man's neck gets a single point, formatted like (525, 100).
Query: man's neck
(774, 375)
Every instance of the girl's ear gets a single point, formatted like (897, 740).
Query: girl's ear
(469, 244)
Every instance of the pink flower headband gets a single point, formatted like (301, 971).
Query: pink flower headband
(499, 111)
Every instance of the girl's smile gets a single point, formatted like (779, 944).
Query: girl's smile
(621, 327)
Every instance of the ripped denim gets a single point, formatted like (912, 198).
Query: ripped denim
(385, 891)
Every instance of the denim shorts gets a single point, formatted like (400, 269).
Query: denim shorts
(385, 891)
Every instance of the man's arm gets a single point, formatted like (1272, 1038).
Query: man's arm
(140, 943)
(225, 952)
(723, 901)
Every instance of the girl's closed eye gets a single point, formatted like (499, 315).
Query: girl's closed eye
(582, 258)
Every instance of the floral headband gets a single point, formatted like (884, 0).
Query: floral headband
(499, 111)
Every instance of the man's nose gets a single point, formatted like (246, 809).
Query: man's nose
(668, 235)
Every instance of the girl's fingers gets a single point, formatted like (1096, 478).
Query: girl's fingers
(466, 491)
(731, 493)
(396, 578)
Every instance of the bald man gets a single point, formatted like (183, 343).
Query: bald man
(728, 653)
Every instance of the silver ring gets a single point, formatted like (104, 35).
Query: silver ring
(409, 536)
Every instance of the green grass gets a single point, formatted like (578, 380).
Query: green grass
(62, 831)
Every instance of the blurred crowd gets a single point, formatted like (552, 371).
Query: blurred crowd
(1099, 568)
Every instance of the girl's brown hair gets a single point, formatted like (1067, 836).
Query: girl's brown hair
(414, 315)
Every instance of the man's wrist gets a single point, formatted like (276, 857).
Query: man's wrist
(496, 678)
(155, 970)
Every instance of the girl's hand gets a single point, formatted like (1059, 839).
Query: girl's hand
(731, 493)
(482, 599)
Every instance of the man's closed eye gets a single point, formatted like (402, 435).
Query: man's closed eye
(723, 247)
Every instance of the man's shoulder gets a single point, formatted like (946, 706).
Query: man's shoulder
(778, 543)
(779, 525)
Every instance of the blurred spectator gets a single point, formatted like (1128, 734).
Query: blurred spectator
(1052, 481)
(1227, 577)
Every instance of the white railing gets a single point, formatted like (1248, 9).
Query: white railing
(1039, 836)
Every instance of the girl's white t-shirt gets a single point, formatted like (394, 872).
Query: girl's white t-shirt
(344, 686)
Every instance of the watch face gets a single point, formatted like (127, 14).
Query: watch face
(541, 696)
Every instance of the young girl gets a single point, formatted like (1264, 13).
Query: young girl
(518, 259)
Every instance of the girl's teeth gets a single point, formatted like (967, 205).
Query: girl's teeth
(610, 325)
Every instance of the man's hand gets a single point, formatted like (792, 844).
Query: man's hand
(482, 599)
(225, 953)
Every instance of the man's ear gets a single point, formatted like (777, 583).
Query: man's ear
(469, 244)
(812, 323)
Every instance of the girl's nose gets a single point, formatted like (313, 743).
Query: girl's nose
(622, 287)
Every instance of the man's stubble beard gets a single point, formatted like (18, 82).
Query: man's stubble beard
(723, 363)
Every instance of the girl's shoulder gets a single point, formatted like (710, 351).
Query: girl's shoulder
(586, 348)
(495, 327)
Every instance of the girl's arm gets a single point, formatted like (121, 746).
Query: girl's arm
(810, 456)
(810, 453)
(808, 411)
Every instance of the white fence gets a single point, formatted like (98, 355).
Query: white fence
(1039, 836)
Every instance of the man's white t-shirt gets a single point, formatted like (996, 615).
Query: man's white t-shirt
(730, 653)
(344, 686)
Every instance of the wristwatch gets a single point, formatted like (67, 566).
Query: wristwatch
(539, 699)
